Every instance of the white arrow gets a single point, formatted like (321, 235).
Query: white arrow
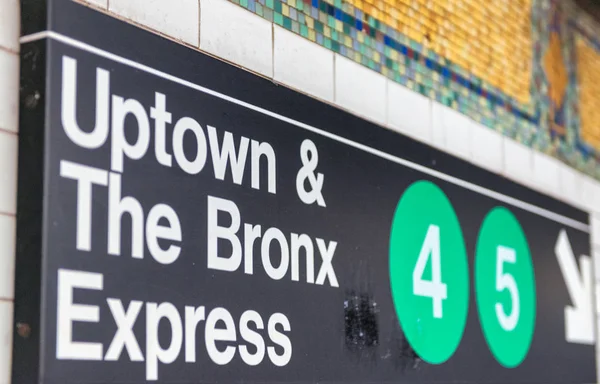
(579, 318)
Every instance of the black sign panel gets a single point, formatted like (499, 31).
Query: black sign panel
(201, 224)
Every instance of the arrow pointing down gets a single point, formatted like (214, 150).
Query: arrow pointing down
(579, 318)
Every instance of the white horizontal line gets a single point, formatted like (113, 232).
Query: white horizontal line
(34, 37)
(442, 176)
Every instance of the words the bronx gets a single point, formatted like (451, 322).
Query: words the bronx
(156, 234)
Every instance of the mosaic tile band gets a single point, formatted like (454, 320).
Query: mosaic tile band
(524, 68)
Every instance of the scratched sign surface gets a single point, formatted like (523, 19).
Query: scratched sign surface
(201, 224)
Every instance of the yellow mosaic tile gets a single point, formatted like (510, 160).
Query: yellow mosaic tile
(588, 73)
(556, 72)
(471, 33)
(309, 23)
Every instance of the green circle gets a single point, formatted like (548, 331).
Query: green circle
(423, 207)
(503, 262)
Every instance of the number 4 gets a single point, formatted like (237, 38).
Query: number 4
(434, 289)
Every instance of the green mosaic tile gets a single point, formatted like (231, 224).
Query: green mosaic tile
(268, 14)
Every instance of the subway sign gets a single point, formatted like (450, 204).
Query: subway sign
(187, 221)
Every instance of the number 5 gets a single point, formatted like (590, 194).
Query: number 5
(507, 281)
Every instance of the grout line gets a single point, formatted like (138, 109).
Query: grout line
(8, 50)
(334, 79)
(8, 131)
(199, 21)
(273, 50)
(386, 103)
(503, 153)
(431, 118)
(357, 145)
(471, 127)
(7, 214)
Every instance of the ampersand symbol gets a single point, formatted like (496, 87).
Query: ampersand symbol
(310, 159)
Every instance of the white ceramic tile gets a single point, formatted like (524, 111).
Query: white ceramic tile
(438, 131)
(408, 112)
(597, 349)
(235, 34)
(302, 64)
(7, 256)
(457, 133)
(486, 147)
(6, 332)
(545, 173)
(596, 262)
(571, 183)
(518, 162)
(595, 229)
(9, 91)
(360, 90)
(598, 355)
(10, 24)
(451, 131)
(98, 3)
(8, 172)
(175, 18)
(591, 194)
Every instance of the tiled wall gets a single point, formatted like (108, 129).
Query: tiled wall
(525, 68)
(9, 116)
